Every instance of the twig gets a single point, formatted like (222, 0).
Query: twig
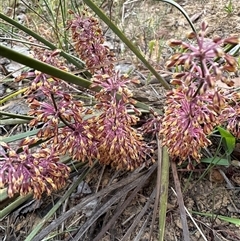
(139, 216)
(84, 202)
(129, 199)
(200, 231)
(186, 235)
(100, 211)
(158, 187)
(139, 235)
(30, 237)
(100, 177)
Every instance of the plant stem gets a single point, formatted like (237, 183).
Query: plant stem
(164, 182)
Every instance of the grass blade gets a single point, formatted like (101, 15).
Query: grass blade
(235, 221)
(164, 182)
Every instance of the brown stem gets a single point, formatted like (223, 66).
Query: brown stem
(186, 236)
(59, 115)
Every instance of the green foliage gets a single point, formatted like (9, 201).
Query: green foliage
(216, 161)
(229, 8)
(235, 221)
(228, 139)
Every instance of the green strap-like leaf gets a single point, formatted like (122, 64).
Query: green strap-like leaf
(67, 56)
(235, 221)
(43, 67)
(51, 70)
(228, 139)
(216, 161)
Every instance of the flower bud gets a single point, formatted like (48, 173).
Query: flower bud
(232, 40)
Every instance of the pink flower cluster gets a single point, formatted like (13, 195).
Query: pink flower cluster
(31, 172)
(104, 132)
(196, 105)
(119, 144)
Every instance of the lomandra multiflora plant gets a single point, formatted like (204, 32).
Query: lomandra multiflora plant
(196, 105)
(106, 132)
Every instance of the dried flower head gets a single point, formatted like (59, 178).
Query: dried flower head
(119, 144)
(196, 106)
(78, 141)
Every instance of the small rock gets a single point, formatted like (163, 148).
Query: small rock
(125, 68)
(84, 188)
(90, 207)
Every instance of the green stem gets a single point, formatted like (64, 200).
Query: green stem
(3, 196)
(14, 205)
(13, 122)
(53, 71)
(43, 67)
(164, 193)
(12, 95)
(23, 117)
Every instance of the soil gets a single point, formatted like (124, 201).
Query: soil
(209, 194)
